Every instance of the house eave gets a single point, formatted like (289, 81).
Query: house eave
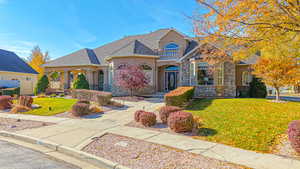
(133, 56)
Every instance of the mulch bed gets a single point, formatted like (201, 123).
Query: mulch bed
(130, 99)
(138, 154)
(284, 148)
(9, 124)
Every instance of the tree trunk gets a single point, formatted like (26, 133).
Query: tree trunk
(131, 92)
(277, 94)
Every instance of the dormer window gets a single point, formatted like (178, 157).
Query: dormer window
(171, 49)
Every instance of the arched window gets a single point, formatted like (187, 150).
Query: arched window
(171, 49)
(172, 68)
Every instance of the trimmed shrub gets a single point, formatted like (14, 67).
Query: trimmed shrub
(165, 111)
(257, 89)
(95, 109)
(294, 134)
(179, 97)
(26, 101)
(137, 115)
(102, 98)
(181, 121)
(42, 85)
(147, 119)
(5, 102)
(19, 108)
(81, 82)
(83, 101)
(80, 109)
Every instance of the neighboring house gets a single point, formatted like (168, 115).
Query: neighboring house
(168, 57)
(13, 69)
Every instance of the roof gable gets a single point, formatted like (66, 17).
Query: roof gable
(11, 62)
(78, 58)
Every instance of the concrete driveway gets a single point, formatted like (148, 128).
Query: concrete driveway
(13, 156)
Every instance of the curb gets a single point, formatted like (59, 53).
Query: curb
(83, 156)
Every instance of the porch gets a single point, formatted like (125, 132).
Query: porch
(64, 77)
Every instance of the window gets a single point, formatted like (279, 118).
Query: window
(171, 49)
(246, 78)
(204, 75)
(220, 75)
(148, 73)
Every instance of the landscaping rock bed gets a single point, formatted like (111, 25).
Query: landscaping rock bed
(284, 148)
(138, 154)
(9, 124)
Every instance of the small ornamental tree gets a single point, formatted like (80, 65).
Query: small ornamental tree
(81, 82)
(42, 85)
(131, 78)
(278, 72)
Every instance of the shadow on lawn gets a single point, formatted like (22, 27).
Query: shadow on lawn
(206, 132)
(199, 104)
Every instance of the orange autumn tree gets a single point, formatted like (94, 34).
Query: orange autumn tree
(278, 72)
(248, 26)
(37, 59)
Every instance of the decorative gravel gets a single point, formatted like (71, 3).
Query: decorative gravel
(138, 154)
(285, 149)
(9, 124)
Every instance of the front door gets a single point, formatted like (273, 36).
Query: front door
(171, 80)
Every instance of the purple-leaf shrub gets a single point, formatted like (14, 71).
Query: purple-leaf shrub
(181, 121)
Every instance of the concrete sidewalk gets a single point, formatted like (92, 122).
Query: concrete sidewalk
(75, 133)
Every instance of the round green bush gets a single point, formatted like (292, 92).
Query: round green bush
(81, 82)
(42, 85)
(257, 89)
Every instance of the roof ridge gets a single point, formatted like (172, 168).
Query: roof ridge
(132, 41)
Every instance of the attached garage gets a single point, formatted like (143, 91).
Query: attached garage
(13, 68)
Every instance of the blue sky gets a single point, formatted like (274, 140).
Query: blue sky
(64, 26)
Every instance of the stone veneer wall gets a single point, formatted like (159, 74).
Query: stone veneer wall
(228, 89)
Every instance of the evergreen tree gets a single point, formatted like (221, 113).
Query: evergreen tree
(257, 89)
(81, 82)
(42, 85)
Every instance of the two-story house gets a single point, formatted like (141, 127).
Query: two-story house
(168, 57)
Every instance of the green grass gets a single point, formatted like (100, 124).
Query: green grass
(58, 105)
(251, 124)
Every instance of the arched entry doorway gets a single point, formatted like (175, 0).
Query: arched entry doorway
(101, 80)
(171, 77)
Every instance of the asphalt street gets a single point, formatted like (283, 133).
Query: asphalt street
(13, 156)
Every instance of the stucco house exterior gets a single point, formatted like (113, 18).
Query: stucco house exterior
(14, 70)
(168, 57)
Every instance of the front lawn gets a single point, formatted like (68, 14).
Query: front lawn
(51, 106)
(251, 124)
